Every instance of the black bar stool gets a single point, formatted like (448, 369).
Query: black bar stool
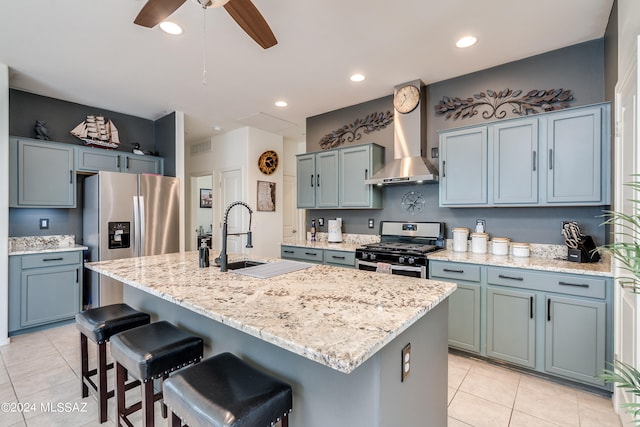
(149, 352)
(99, 325)
(224, 391)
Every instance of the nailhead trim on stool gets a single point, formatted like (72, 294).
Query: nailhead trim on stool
(149, 352)
(99, 325)
(224, 391)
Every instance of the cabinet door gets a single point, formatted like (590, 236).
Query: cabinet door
(327, 179)
(49, 294)
(463, 167)
(142, 164)
(355, 167)
(574, 167)
(96, 159)
(515, 162)
(464, 317)
(306, 181)
(45, 175)
(575, 338)
(511, 329)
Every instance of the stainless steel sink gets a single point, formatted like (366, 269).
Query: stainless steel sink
(242, 264)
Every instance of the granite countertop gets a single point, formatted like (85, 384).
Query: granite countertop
(601, 268)
(43, 244)
(347, 247)
(335, 316)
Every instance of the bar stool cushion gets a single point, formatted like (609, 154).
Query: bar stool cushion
(100, 324)
(153, 350)
(224, 391)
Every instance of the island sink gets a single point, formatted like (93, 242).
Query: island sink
(242, 264)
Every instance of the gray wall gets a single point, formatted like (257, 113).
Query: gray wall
(579, 68)
(165, 131)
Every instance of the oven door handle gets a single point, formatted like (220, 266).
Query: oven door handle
(393, 266)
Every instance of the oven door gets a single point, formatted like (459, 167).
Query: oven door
(403, 270)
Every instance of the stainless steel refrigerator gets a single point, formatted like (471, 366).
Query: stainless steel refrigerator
(127, 215)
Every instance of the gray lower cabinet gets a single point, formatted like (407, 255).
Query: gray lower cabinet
(41, 174)
(320, 256)
(464, 303)
(511, 326)
(575, 338)
(43, 289)
(95, 159)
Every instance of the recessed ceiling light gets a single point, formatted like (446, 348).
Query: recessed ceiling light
(216, 128)
(467, 41)
(171, 28)
(281, 104)
(357, 77)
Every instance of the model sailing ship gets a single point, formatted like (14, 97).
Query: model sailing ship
(94, 130)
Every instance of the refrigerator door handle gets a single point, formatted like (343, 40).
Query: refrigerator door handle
(136, 226)
(142, 226)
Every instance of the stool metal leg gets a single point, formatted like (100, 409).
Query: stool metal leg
(84, 357)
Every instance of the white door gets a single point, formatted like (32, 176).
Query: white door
(626, 163)
(231, 191)
(290, 214)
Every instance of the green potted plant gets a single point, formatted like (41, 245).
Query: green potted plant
(626, 250)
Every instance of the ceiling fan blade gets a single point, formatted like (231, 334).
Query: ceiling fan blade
(155, 11)
(245, 13)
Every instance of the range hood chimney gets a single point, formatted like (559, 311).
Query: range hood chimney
(409, 141)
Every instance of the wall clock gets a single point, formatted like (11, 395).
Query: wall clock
(413, 202)
(406, 99)
(268, 162)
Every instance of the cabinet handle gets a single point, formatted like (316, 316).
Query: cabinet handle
(444, 169)
(127, 163)
(448, 270)
(550, 158)
(312, 180)
(71, 177)
(549, 310)
(577, 285)
(77, 275)
(502, 276)
(366, 173)
(311, 253)
(337, 257)
(288, 252)
(318, 180)
(118, 162)
(52, 259)
(530, 307)
(534, 160)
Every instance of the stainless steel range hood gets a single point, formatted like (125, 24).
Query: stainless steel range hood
(409, 141)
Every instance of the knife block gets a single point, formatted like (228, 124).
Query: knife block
(585, 252)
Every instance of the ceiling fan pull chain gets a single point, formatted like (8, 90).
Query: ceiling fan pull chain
(204, 45)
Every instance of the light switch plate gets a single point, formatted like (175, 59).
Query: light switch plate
(44, 223)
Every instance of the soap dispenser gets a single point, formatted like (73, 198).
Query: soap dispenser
(204, 254)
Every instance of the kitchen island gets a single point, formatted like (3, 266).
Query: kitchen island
(336, 335)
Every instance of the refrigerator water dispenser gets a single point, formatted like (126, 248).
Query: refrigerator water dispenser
(119, 235)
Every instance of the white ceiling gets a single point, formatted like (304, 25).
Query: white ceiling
(90, 52)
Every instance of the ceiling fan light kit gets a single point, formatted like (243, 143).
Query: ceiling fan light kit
(244, 12)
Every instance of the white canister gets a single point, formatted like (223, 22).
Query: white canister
(479, 243)
(500, 246)
(460, 236)
(520, 249)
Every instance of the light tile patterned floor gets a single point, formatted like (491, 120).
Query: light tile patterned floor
(41, 370)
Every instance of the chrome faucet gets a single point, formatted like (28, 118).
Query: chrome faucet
(222, 259)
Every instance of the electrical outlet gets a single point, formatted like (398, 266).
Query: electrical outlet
(44, 223)
(435, 153)
(320, 222)
(406, 362)
(370, 223)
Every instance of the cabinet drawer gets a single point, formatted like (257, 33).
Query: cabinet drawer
(51, 259)
(584, 286)
(342, 258)
(454, 270)
(300, 253)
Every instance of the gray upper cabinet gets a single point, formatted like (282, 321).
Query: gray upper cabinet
(335, 178)
(95, 159)
(463, 167)
(574, 149)
(515, 162)
(356, 165)
(558, 158)
(41, 174)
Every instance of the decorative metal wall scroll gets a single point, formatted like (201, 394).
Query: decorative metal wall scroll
(353, 132)
(534, 102)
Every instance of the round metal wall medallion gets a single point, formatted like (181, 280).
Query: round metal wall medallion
(268, 162)
(413, 202)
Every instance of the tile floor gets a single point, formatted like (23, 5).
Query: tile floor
(41, 371)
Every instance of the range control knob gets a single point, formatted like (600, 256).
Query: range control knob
(412, 260)
(372, 256)
(365, 255)
(401, 260)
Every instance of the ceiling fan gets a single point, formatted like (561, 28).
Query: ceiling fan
(244, 12)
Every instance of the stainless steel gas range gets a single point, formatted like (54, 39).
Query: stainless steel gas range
(403, 248)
